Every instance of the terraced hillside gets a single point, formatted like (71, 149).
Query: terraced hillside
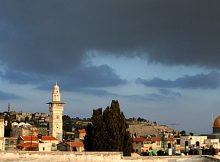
(147, 128)
(140, 127)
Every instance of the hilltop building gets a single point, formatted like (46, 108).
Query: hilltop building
(56, 113)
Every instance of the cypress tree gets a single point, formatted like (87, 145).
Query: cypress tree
(88, 139)
(108, 131)
(127, 145)
(114, 127)
(98, 129)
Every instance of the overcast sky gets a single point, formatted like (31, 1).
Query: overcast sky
(160, 59)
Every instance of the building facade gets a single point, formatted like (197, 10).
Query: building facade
(80, 135)
(2, 132)
(192, 141)
(34, 143)
(56, 113)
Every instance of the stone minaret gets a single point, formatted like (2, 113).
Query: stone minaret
(2, 133)
(2, 127)
(56, 113)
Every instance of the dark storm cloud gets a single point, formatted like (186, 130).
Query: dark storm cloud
(20, 77)
(8, 96)
(200, 81)
(86, 77)
(52, 37)
(97, 76)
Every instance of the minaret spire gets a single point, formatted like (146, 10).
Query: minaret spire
(56, 93)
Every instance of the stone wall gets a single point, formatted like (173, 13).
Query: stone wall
(22, 156)
(33, 156)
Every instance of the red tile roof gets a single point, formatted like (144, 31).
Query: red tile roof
(34, 138)
(82, 131)
(28, 145)
(75, 144)
(153, 139)
(157, 139)
(170, 139)
(139, 139)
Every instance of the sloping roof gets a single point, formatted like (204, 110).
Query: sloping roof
(75, 144)
(158, 139)
(28, 145)
(139, 139)
(153, 139)
(34, 138)
(82, 131)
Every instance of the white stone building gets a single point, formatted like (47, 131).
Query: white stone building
(192, 141)
(212, 143)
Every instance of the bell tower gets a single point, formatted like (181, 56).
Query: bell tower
(56, 113)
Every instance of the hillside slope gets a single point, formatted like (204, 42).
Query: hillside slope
(147, 129)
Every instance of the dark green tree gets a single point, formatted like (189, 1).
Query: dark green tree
(127, 145)
(94, 139)
(164, 141)
(191, 134)
(27, 119)
(115, 127)
(88, 139)
(183, 133)
(108, 131)
(67, 123)
(98, 130)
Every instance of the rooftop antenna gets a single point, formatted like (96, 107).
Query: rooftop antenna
(9, 107)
